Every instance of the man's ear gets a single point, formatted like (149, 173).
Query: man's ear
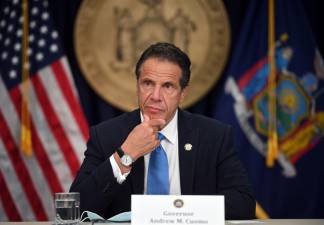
(184, 93)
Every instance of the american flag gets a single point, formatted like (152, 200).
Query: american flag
(59, 129)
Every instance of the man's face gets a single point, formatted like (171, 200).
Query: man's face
(158, 89)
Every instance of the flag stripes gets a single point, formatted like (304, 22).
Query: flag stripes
(11, 209)
(58, 143)
(58, 128)
(71, 99)
(21, 170)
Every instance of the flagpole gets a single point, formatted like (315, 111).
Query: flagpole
(272, 152)
(260, 213)
(25, 135)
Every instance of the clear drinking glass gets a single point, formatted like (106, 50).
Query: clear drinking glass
(67, 208)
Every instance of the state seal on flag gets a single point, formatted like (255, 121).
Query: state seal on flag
(110, 35)
(299, 122)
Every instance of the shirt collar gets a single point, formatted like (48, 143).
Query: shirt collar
(170, 131)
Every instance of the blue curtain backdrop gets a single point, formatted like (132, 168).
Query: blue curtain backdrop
(292, 189)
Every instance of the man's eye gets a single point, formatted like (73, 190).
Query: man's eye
(147, 83)
(168, 85)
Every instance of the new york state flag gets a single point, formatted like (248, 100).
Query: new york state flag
(293, 186)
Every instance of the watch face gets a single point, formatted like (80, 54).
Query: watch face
(126, 160)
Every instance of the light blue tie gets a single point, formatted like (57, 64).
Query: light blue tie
(158, 171)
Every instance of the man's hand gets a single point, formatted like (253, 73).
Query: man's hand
(143, 138)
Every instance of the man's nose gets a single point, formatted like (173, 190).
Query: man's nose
(156, 94)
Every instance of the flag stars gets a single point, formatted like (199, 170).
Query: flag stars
(6, 10)
(10, 28)
(17, 47)
(4, 55)
(13, 14)
(39, 56)
(14, 60)
(41, 43)
(45, 3)
(45, 16)
(34, 11)
(19, 33)
(43, 30)
(53, 48)
(31, 38)
(7, 42)
(3, 23)
(42, 39)
(12, 74)
(32, 24)
(54, 34)
(29, 51)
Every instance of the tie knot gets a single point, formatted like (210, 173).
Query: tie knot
(160, 136)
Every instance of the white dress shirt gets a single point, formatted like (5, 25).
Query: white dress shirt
(170, 145)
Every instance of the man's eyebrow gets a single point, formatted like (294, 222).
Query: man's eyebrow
(146, 79)
(169, 82)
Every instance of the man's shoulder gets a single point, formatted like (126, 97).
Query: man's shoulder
(201, 121)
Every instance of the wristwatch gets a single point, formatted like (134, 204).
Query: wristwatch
(125, 159)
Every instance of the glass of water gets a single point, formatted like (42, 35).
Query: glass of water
(67, 208)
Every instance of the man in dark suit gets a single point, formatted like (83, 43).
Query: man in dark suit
(199, 153)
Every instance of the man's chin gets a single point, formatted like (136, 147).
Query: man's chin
(155, 115)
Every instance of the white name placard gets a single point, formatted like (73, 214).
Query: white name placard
(177, 210)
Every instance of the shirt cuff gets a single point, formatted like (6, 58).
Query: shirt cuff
(116, 170)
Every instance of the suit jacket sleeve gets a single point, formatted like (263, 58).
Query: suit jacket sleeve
(95, 180)
(233, 182)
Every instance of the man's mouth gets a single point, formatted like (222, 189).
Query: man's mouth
(153, 109)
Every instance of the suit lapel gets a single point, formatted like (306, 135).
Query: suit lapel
(187, 135)
(137, 173)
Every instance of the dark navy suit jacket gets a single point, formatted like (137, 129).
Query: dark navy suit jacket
(210, 168)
